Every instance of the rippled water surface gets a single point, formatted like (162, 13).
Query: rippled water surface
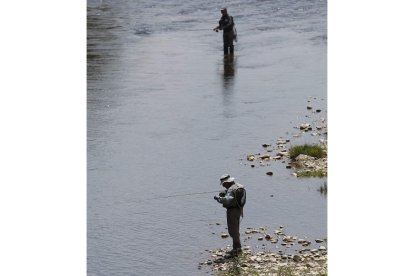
(167, 114)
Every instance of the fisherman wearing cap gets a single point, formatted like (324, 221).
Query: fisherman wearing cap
(233, 199)
(226, 24)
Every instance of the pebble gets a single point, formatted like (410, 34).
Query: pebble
(260, 238)
(268, 237)
(224, 235)
(318, 240)
(304, 126)
(288, 166)
(269, 173)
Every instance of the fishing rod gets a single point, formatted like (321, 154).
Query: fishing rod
(178, 195)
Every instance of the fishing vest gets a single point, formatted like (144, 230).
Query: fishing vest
(238, 193)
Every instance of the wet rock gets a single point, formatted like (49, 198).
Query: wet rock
(252, 166)
(265, 157)
(250, 157)
(219, 261)
(318, 240)
(322, 248)
(309, 107)
(304, 126)
(266, 145)
(281, 141)
(260, 238)
(318, 110)
(288, 166)
(209, 262)
(269, 173)
(268, 237)
(224, 235)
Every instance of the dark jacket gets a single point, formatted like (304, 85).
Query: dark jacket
(226, 23)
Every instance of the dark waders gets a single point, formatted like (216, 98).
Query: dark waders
(233, 225)
(228, 42)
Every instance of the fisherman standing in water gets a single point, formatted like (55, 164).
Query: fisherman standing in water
(226, 24)
(233, 199)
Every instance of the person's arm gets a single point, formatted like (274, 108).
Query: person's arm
(225, 200)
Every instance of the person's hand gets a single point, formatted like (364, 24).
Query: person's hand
(216, 197)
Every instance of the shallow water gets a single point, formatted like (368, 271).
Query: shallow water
(167, 114)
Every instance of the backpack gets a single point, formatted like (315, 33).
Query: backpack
(240, 195)
(234, 29)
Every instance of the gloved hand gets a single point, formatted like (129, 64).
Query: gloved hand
(216, 197)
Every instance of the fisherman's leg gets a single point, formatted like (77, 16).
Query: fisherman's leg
(226, 49)
(226, 42)
(233, 226)
(231, 46)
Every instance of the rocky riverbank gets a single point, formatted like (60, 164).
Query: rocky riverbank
(296, 255)
(278, 151)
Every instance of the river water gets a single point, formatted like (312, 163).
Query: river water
(167, 114)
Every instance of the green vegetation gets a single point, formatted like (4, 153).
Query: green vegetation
(311, 150)
(318, 173)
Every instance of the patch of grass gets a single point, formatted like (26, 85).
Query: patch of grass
(318, 173)
(311, 150)
(283, 271)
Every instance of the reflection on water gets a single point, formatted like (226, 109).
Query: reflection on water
(229, 71)
(229, 67)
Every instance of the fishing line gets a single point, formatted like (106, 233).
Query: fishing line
(178, 195)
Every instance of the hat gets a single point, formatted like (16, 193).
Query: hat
(224, 177)
(228, 180)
